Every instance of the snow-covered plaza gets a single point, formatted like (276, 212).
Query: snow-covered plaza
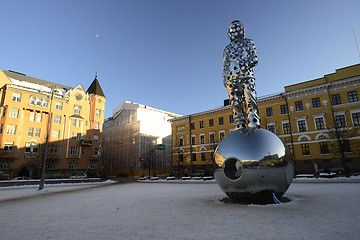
(178, 211)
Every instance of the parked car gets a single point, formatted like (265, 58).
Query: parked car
(22, 178)
(79, 175)
(333, 169)
(4, 177)
(154, 178)
(199, 173)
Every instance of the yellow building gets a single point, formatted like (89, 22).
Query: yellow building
(319, 120)
(74, 126)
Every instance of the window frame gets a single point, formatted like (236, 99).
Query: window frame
(352, 96)
(269, 112)
(15, 98)
(316, 102)
(336, 99)
(284, 109)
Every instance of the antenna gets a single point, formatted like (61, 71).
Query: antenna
(357, 46)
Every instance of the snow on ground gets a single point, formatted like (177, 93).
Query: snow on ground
(182, 211)
(22, 191)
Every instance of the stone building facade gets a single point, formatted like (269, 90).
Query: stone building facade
(31, 107)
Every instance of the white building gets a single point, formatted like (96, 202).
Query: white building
(131, 138)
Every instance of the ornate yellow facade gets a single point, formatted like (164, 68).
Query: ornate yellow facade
(74, 130)
(319, 120)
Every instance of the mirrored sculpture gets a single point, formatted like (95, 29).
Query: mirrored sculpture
(252, 164)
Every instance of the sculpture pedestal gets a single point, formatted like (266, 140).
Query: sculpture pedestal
(251, 165)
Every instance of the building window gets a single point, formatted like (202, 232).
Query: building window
(53, 149)
(305, 149)
(284, 109)
(98, 112)
(57, 119)
(55, 134)
(356, 118)
(73, 150)
(352, 96)
(8, 146)
(50, 165)
(4, 112)
(291, 149)
(221, 121)
(302, 125)
(201, 124)
(286, 128)
(221, 135)
(346, 146)
(32, 100)
(96, 138)
(271, 128)
(319, 123)
(11, 129)
(340, 121)
(97, 125)
(97, 151)
(336, 100)
(316, 102)
(202, 139)
(5, 164)
(75, 137)
(59, 105)
(212, 137)
(1, 128)
(93, 165)
(72, 165)
(77, 109)
(299, 106)
(30, 132)
(203, 157)
(16, 97)
(324, 149)
(194, 157)
(37, 132)
(269, 112)
(193, 140)
(32, 116)
(39, 117)
(14, 113)
(181, 141)
(192, 126)
(38, 101)
(45, 103)
(181, 158)
(31, 147)
(231, 119)
(211, 122)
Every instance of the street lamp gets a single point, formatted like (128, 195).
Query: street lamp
(42, 181)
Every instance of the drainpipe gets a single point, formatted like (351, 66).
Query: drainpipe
(191, 156)
(291, 135)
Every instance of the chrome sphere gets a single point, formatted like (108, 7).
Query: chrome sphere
(253, 164)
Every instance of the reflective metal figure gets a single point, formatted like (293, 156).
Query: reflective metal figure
(251, 163)
(239, 58)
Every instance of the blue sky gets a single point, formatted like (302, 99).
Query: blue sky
(168, 54)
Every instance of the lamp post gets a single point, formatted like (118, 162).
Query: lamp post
(42, 181)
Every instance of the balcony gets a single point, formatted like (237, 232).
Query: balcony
(85, 142)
